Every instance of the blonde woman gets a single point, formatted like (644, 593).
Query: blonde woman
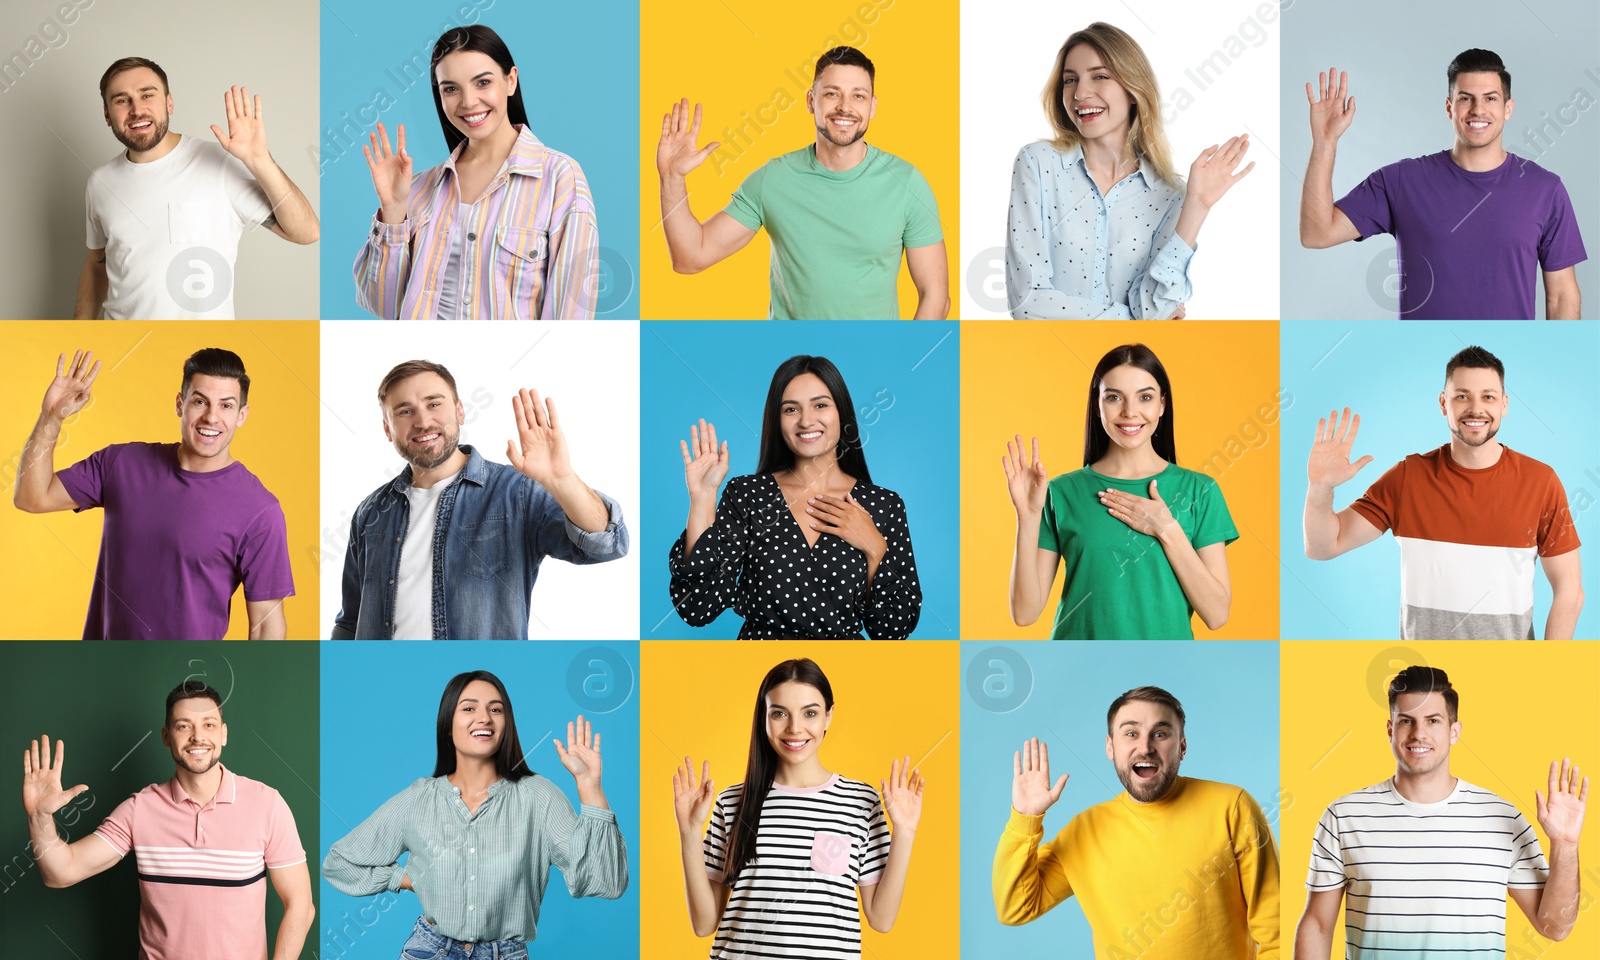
(1100, 225)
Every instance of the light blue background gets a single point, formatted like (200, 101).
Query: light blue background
(1229, 692)
(1391, 373)
(720, 371)
(578, 70)
(380, 701)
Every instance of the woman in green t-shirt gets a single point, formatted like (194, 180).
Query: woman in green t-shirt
(1144, 540)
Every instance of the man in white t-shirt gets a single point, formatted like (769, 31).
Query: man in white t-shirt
(164, 216)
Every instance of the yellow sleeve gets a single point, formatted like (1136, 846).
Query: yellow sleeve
(1029, 878)
(1257, 856)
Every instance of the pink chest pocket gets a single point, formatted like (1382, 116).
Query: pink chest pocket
(830, 853)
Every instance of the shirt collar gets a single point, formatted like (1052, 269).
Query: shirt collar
(1074, 158)
(476, 471)
(526, 158)
(227, 790)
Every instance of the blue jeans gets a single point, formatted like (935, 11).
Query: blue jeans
(427, 943)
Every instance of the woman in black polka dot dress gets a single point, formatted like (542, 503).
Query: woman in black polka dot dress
(806, 547)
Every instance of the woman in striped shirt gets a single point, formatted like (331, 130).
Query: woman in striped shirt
(780, 868)
(503, 230)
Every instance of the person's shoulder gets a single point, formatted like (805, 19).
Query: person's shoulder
(894, 164)
(730, 796)
(1481, 800)
(1214, 790)
(1528, 465)
(870, 494)
(378, 499)
(1366, 799)
(1529, 172)
(1061, 483)
(1042, 154)
(1196, 478)
(744, 484)
(251, 485)
(857, 789)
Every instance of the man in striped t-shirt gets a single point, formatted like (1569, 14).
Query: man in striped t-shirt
(1472, 518)
(206, 842)
(1427, 859)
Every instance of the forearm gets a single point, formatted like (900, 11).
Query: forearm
(580, 503)
(884, 906)
(704, 910)
(1563, 305)
(1321, 524)
(53, 854)
(93, 285)
(1028, 594)
(1316, 196)
(1191, 218)
(1565, 605)
(1558, 904)
(1209, 596)
(933, 301)
(292, 930)
(38, 463)
(684, 232)
(289, 206)
(702, 514)
(591, 795)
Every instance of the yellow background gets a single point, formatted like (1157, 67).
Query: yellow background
(1033, 379)
(890, 700)
(49, 559)
(1522, 705)
(735, 56)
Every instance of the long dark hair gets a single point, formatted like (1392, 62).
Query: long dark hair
(775, 454)
(484, 40)
(1095, 439)
(508, 761)
(762, 767)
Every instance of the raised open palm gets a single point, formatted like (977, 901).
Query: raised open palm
(1331, 110)
(391, 169)
(902, 795)
(247, 125)
(1329, 464)
(676, 153)
(1031, 791)
(543, 454)
(1026, 479)
(691, 800)
(705, 465)
(42, 794)
(69, 391)
(1560, 811)
(581, 753)
(1211, 175)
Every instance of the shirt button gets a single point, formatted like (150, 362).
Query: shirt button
(471, 237)
(473, 877)
(471, 907)
(391, 583)
(374, 231)
(396, 539)
(472, 849)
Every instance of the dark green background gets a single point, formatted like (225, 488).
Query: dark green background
(102, 698)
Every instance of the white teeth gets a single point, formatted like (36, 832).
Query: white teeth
(475, 117)
(426, 438)
(1090, 111)
(208, 433)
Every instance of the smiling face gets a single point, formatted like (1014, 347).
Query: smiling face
(1473, 403)
(1478, 108)
(474, 92)
(195, 734)
(1421, 732)
(843, 104)
(1131, 406)
(1146, 745)
(479, 721)
(797, 716)
(137, 108)
(422, 418)
(1098, 105)
(210, 412)
(808, 417)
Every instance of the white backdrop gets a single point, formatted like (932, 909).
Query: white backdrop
(1217, 64)
(592, 372)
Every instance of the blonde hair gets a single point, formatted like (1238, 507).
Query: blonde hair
(1127, 64)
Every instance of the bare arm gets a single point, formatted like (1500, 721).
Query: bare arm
(267, 621)
(902, 802)
(1209, 178)
(1321, 223)
(1033, 568)
(1565, 574)
(930, 271)
(1562, 300)
(93, 286)
(1327, 535)
(38, 489)
(693, 245)
(1554, 909)
(293, 885)
(1313, 939)
(292, 217)
(61, 864)
(692, 802)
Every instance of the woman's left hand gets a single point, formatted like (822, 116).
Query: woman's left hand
(581, 759)
(902, 795)
(850, 522)
(1149, 517)
(1212, 172)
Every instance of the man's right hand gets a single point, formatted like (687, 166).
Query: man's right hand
(42, 794)
(69, 391)
(1329, 464)
(676, 154)
(1331, 110)
(1031, 792)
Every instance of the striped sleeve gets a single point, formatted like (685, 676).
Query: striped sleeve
(366, 861)
(573, 270)
(716, 840)
(383, 267)
(586, 847)
(875, 849)
(1529, 869)
(1327, 870)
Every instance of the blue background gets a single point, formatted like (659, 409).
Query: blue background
(1391, 372)
(381, 700)
(1229, 692)
(577, 68)
(721, 370)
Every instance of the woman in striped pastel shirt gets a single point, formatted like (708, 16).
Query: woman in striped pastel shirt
(483, 832)
(503, 230)
(794, 840)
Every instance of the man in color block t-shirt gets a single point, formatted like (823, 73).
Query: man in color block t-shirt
(1473, 225)
(1172, 869)
(1473, 518)
(1426, 859)
(839, 212)
(206, 843)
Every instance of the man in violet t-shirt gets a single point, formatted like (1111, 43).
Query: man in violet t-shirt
(185, 523)
(1471, 224)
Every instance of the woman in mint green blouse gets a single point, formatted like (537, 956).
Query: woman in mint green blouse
(484, 831)
(1143, 540)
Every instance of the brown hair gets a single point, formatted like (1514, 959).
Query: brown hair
(130, 63)
(1127, 64)
(1154, 695)
(1424, 680)
(410, 369)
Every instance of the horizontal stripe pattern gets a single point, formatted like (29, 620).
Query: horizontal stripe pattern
(198, 862)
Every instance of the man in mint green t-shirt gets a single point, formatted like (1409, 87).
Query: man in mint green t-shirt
(839, 212)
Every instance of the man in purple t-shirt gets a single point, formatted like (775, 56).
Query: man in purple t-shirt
(185, 523)
(1471, 224)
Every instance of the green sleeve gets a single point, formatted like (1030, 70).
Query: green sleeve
(1213, 523)
(1047, 522)
(922, 213)
(746, 206)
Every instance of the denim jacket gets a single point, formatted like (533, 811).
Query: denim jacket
(494, 527)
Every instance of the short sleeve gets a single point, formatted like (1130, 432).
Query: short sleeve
(263, 557)
(1560, 243)
(1327, 869)
(1367, 205)
(1380, 505)
(94, 231)
(746, 205)
(922, 213)
(245, 194)
(283, 847)
(1557, 533)
(117, 829)
(1528, 865)
(875, 851)
(86, 480)
(1213, 522)
(715, 845)
(1048, 539)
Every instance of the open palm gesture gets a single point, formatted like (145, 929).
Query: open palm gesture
(391, 171)
(1329, 464)
(1561, 810)
(902, 795)
(247, 129)
(581, 753)
(1026, 479)
(691, 800)
(677, 154)
(543, 454)
(69, 391)
(42, 794)
(1211, 175)
(704, 463)
(1031, 792)
(1331, 110)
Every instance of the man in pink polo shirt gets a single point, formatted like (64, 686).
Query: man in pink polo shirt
(205, 842)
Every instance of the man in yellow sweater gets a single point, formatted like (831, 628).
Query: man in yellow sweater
(1172, 869)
